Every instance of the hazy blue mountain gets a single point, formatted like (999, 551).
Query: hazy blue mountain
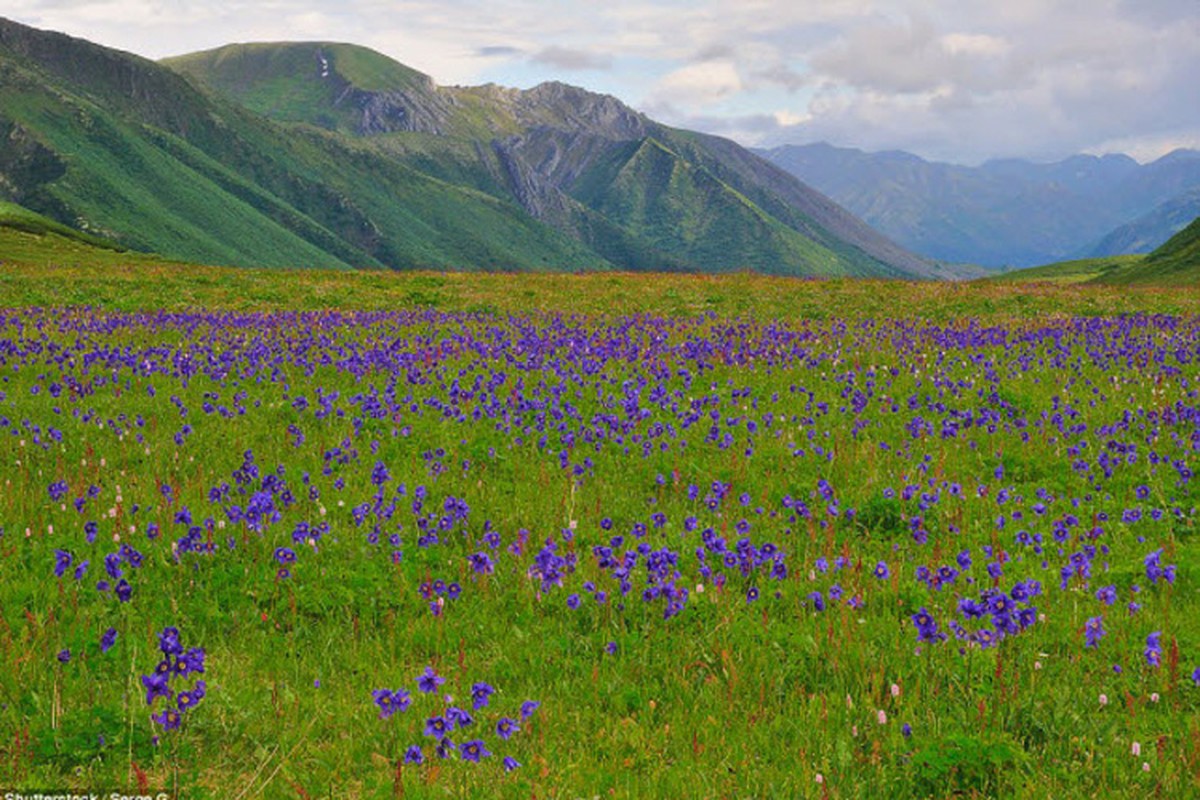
(1007, 212)
(1148, 231)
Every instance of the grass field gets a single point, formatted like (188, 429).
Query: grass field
(661, 537)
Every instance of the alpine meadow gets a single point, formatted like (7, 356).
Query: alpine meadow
(363, 437)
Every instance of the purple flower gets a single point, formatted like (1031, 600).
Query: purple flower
(413, 755)
(169, 719)
(390, 702)
(191, 661)
(510, 763)
(881, 571)
(64, 656)
(108, 639)
(437, 727)
(1155, 570)
(507, 726)
(168, 642)
(528, 707)
(1153, 651)
(482, 563)
(480, 694)
(1093, 631)
(429, 681)
(458, 718)
(473, 750)
(62, 562)
(156, 686)
(445, 748)
(927, 629)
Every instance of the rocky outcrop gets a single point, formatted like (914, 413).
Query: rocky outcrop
(422, 109)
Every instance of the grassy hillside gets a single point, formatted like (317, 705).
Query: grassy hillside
(311, 82)
(1076, 271)
(1175, 263)
(18, 219)
(122, 147)
(578, 161)
(51, 269)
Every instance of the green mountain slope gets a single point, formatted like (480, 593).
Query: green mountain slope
(335, 156)
(1175, 263)
(111, 143)
(563, 154)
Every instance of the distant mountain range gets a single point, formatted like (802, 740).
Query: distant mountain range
(320, 154)
(1006, 213)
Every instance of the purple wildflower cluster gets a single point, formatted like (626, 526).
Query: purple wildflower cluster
(442, 720)
(1015, 472)
(176, 665)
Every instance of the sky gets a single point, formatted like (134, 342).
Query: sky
(950, 80)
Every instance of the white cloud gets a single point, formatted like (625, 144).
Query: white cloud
(941, 77)
(700, 84)
(975, 44)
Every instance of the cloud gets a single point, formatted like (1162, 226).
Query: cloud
(961, 81)
(498, 51)
(571, 59)
(700, 84)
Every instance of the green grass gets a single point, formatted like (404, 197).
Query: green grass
(18, 218)
(728, 698)
(47, 270)
(1078, 271)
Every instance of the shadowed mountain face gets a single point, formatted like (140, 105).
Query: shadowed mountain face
(334, 155)
(1007, 212)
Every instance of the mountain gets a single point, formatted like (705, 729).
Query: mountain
(113, 144)
(1151, 230)
(1006, 212)
(333, 155)
(1176, 262)
(635, 191)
